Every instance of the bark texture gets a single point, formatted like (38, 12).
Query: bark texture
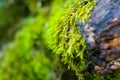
(103, 36)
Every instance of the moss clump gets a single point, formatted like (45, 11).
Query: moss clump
(66, 38)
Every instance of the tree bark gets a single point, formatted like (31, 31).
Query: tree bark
(103, 36)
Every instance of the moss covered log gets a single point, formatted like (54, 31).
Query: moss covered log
(57, 39)
(69, 41)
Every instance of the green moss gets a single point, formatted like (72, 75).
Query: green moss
(94, 76)
(66, 38)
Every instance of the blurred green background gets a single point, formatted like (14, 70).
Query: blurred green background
(24, 54)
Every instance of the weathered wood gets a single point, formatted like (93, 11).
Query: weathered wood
(105, 42)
